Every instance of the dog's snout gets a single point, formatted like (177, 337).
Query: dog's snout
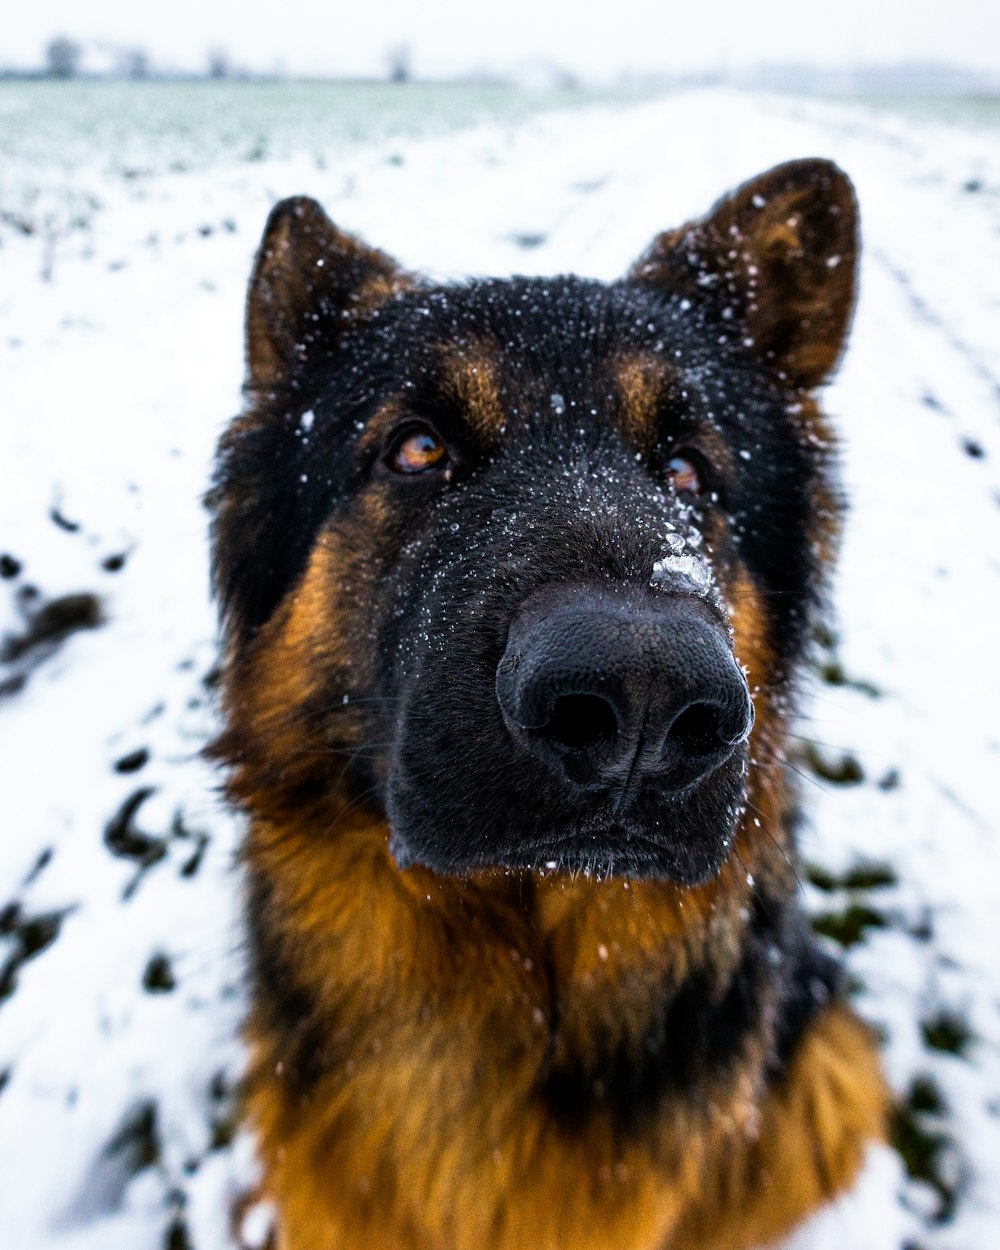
(612, 692)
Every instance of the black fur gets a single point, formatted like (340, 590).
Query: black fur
(560, 497)
(702, 1027)
(550, 336)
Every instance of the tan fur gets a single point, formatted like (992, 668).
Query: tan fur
(811, 1139)
(644, 389)
(826, 505)
(427, 1130)
(469, 374)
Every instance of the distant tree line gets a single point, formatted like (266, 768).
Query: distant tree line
(66, 57)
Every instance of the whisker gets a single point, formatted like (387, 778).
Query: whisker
(295, 716)
(356, 803)
(744, 882)
(829, 746)
(781, 850)
(777, 761)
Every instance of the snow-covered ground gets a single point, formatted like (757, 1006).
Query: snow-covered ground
(120, 358)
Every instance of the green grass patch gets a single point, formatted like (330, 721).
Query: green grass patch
(948, 1032)
(850, 926)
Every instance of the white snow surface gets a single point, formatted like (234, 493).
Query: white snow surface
(121, 359)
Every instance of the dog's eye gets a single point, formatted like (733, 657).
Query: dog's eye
(684, 475)
(417, 450)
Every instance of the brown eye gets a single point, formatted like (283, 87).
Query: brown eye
(684, 476)
(417, 452)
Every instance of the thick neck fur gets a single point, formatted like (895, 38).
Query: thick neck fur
(583, 997)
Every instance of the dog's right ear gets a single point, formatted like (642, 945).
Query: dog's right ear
(780, 253)
(308, 279)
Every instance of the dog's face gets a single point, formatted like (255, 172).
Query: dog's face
(506, 561)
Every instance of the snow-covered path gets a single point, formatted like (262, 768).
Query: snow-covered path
(119, 947)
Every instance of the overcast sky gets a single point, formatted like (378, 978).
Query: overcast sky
(446, 36)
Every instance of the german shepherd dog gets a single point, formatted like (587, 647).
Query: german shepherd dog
(517, 580)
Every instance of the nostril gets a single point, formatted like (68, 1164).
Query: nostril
(580, 720)
(696, 731)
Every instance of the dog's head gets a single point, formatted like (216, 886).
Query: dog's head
(511, 562)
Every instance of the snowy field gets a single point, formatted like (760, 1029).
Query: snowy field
(125, 246)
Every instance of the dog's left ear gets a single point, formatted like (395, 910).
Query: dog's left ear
(309, 278)
(780, 253)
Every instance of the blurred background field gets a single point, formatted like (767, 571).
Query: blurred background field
(133, 130)
(67, 143)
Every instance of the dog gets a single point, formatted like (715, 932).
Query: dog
(517, 580)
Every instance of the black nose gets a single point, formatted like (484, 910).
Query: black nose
(610, 692)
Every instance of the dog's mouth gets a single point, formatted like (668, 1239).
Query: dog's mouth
(612, 850)
(681, 836)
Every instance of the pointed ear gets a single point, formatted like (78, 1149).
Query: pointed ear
(308, 278)
(781, 253)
